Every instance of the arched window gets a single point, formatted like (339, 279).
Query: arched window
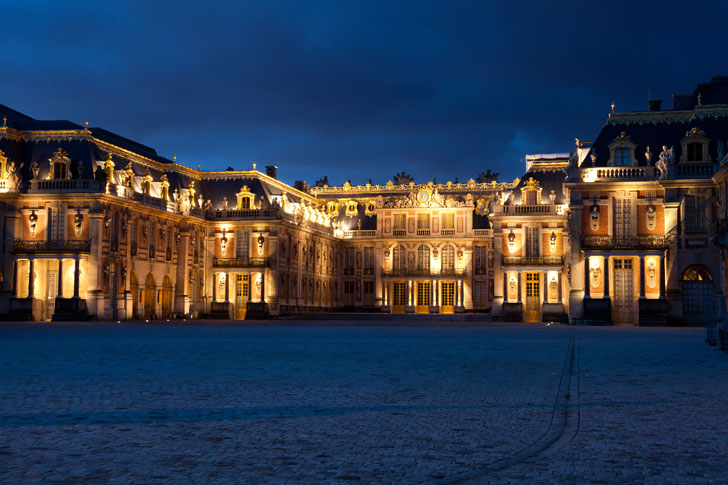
(60, 165)
(621, 157)
(423, 258)
(696, 273)
(399, 258)
(448, 258)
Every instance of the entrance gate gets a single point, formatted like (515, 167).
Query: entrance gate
(623, 309)
(533, 297)
(698, 296)
(52, 292)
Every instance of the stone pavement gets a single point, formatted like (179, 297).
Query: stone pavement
(174, 403)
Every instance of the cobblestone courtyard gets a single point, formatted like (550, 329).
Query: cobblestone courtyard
(178, 403)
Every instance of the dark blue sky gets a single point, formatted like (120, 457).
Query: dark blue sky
(355, 90)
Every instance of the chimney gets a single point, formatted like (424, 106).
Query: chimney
(681, 102)
(300, 185)
(655, 104)
(271, 171)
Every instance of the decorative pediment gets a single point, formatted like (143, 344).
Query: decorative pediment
(245, 198)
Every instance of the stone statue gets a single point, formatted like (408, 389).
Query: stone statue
(403, 178)
(35, 168)
(666, 158)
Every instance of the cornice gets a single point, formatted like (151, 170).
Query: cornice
(713, 111)
(390, 188)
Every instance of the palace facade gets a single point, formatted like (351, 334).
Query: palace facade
(627, 229)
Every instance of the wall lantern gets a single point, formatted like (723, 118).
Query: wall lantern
(33, 222)
(511, 242)
(552, 240)
(261, 240)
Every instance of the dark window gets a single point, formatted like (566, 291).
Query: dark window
(695, 152)
(621, 157)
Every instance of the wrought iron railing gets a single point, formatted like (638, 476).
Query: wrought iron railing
(59, 246)
(64, 185)
(532, 261)
(423, 272)
(631, 242)
(240, 262)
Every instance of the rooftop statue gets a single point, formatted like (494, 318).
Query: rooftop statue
(666, 159)
(487, 177)
(403, 178)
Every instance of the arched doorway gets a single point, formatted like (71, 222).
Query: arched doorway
(150, 290)
(698, 295)
(134, 289)
(166, 297)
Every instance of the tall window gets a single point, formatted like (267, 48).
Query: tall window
(532, 246)
(448, 258)
(448, 222)
(423, 258)
(242, 239)
(695, 152)
(60, 170)
(622, 217)
(400, 222)
(423, 221)
(399, 258)
(621, 157)
(530, 196)
(695, 214)
(368, 259)
(57, 224)
(480, 257)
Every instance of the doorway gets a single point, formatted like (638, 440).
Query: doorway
(447, 298)
(242, 295)
(623, 306)
(399, 296)
(424, 297)
(533, 297)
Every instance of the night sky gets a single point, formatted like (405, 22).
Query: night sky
(355, 90)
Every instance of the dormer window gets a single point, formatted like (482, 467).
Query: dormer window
(60, 164)
(622, 157)
(245, 198)
(695, 152)
(695, 147)
(621, 151)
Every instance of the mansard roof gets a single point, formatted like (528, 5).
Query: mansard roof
(706, 109)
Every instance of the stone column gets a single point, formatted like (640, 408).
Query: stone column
(214, 287)
(587, 287)
(505, 287)
(462, 293)
(545, 289)
(250, 286)
(94, 272)
(31, 285)
(60, 278)
(15, 278)
(642, 276)
(76, 276)
(558, 282)
(182, 287)
(227, 287)
(518, 284)
(662, 276)
(433, 295)
(606, 276)
(262, 286)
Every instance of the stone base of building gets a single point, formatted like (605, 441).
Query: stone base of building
(653, 312)
(597, 311)
(256, 310)
(434, 309)
(513, 312)
(70, 310)
(552, 312)
(20, 309)
(221, 310)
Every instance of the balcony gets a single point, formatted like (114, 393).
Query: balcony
(244, 214)
(360, 233)
(423, 232)
(47, 247)
(423, 272)
(532, 261)
(483, 232)
(632, 242)
(240, 262)
(608, 174)
(524, 210)
(447, 232)
(695, 170)
(63, 185)
(399, 232)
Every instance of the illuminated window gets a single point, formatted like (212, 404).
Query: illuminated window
(423, 258)
(400, 222)
(448, 222)
(448, 258)
(621, 157)
(423, 221)
(399, 258)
